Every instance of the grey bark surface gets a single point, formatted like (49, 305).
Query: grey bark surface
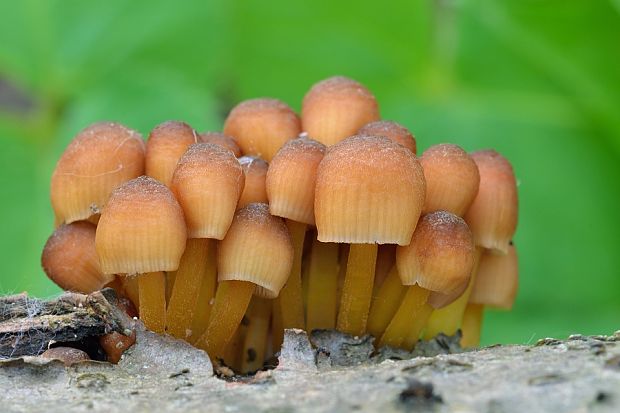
(338, 374)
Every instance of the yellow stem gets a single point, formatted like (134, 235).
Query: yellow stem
(232, 354)
(291, 298)
(131, 291)
(472, 325)
(253, 355)
(400, 327)
(322, 286)
(152, 290)
(448, 319)
(231, 301)
(357, 289)
(385, 302)
(170, 277)
(277, 332)
(343, 257)
(184, 298)
(417, 326)
(205, 296)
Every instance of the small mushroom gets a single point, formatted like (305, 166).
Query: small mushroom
(142, 231)
(255, 258)
(220, 139)
(369, 191)
(391, 130)
(336, 108)
(99, 159)
(261, 126)
(70, 259)
(207, 182)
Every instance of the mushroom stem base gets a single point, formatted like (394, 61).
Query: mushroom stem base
(385, 303)
(152, 291)
(472, 325)
(291, 297)
(411, 307)
(253, 352)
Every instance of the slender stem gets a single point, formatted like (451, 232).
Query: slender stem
(472, 325)
(448, 319)
(170, 277)
(291, 297)
(152, 290)
(322, 286)
(253, 354)
(400, 326)
(231, 301)
(357, 289)
(184, 298)
(205, 296)
(417, 326)
(385, 303)
(277, 332)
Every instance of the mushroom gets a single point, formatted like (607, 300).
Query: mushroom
(492, 218)
(255, 257)
(261, 126)
(391, 130)
(439, 258)
(70, 260)
(207, 182)
(255, 170)
(495, 286)
(290, 185)
(100, 158)
(166, 144)
(369, 191)
(142, 231)
(218, 138)
(335, 108)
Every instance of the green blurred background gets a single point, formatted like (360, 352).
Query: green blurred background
(538, 80)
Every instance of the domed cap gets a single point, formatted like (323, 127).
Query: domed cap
(368, 190)
(141, 229)
(452, 179)
(441, 254)
(222, 140)
(492, 216)
(336, 108)
(261, 126)
(258, 249)
(166, 144)
(207, 183)
(70, 260)
(391, 130)
(291, 179)
(98, 160)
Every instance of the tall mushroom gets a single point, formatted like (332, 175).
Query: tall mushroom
(261, 126)
(255, 257)
(290, 184)
(142, 232)
(207, 182)
(369, 191)
(335, 108)
(99, 159)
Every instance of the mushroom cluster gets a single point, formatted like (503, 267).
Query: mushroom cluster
(326, 220)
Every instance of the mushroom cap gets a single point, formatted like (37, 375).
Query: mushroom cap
(70, 260)
(492, 216)
(220, 139)
(391, 130)
(336, 108)
(255, 170)
(257, 248)
(166, 144)
(497, 280)
(208, 182)
(368, 190)
(141, 229)
(261, 126)
(291, 179)
(100, 158)
(441, 254)
(452, 179)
